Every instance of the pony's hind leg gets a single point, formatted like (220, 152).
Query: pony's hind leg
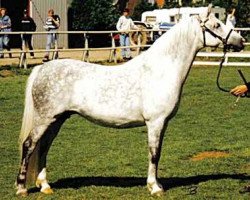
(45, 144)
(29, 146)
(156, 131)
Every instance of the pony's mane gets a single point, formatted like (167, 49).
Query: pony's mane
(179, 35)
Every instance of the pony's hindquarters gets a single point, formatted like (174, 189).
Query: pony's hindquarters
(27, 126)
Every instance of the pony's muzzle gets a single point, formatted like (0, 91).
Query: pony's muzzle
(239, 46)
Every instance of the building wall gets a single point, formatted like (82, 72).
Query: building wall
(39, 10)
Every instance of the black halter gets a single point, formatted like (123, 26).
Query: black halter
(226, 47)
(206, 29)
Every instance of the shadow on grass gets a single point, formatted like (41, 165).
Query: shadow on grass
(168, 183)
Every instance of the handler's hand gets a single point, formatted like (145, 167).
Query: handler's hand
(239, 90)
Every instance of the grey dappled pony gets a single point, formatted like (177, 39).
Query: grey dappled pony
(144, 91)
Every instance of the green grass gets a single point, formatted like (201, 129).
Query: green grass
(87, 161)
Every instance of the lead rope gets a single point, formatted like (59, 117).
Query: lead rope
(219, 72)
(218, 77)
(222, 61)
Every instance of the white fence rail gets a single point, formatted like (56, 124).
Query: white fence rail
(226, 62)
(113, 49)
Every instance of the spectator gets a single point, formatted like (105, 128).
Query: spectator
(51, 25)
(231, 21)
(125, 24)
(28, 24)
(5, 26)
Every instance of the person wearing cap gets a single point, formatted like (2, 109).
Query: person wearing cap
(5, 26)
(124, 25)
(52, 23)
(28, 24)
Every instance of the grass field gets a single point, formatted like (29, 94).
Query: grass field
(92, 162)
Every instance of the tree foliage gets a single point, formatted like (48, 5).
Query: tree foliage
(93, 15)
(243, 14)
(141, 7)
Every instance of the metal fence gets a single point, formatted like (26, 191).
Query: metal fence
(113, 48)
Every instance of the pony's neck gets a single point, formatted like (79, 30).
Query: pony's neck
(180, 45)
(180, 41)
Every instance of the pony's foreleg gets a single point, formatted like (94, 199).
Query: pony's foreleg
(29, 146)
(156, 131)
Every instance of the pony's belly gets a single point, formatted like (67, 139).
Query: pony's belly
(117, 120)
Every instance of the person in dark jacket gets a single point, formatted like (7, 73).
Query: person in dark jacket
(28, 24)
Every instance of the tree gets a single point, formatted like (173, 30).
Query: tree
(242, 13)
(141, 7)
(92, 15)
(171, 4)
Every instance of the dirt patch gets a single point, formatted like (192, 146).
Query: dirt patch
(246, 168)
(209, 154)
(6, 73)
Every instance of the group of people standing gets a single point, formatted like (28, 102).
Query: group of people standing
(52, 23)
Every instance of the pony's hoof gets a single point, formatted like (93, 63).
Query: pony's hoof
(155, 190)
(38, 183)
(47, 191)
(22, 192)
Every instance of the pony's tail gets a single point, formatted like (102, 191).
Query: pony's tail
(27, 126)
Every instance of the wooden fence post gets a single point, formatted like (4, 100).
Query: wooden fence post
(55, 53)
(112, 55)
(86, 49)
(23, 60)
(138, 43)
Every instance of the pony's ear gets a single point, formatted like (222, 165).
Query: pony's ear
(204, 15)
(209, 9)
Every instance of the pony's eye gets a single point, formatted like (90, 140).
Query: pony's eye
(217, 25)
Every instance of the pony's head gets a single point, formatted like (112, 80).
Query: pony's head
(215, 33)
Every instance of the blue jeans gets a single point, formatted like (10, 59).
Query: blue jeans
(51, 39)
(124, 41)
(4, 41)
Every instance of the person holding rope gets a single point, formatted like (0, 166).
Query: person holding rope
(51, 25)
(241, 90)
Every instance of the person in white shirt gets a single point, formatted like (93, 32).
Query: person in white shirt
(125, 24)
(231, 21)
